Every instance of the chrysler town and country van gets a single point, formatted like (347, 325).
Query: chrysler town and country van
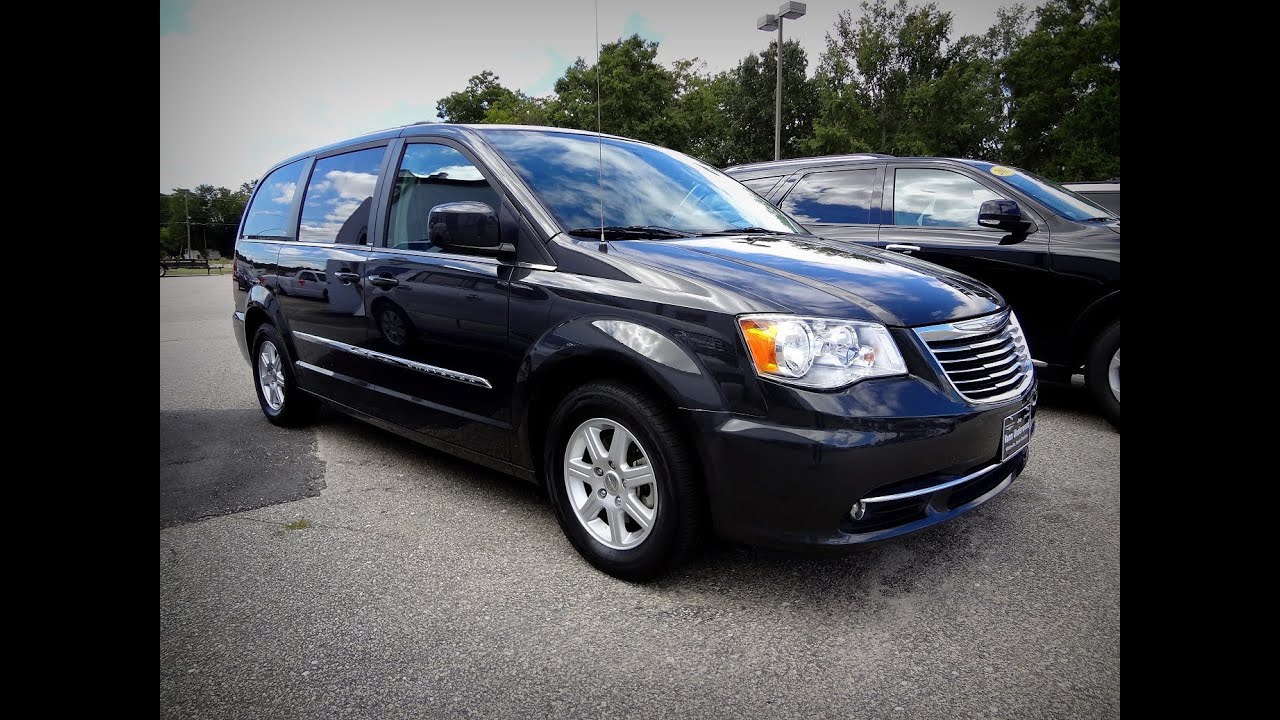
(660, 348)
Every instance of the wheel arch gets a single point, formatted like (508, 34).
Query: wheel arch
(1097, 317)
(581, 351)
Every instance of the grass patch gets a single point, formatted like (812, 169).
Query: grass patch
(299, 524)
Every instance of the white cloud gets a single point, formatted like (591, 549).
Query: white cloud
(228, 112)
(283, 192)
(352, 184)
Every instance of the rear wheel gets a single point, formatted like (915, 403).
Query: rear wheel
(622, 480)
(278, 394)
(163, 270)
(1102, 372)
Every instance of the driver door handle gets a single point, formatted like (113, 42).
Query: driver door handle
(347, 277)
(383, 281)
(902, 248)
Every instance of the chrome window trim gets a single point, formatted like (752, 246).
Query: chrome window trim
(464, 378)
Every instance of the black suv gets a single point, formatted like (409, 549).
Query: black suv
(1052, 253)
(657, 346)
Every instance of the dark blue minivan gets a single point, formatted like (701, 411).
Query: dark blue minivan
(660, 348)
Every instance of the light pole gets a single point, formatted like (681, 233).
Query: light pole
(769, 23)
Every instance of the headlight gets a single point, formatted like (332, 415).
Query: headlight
(819, 352)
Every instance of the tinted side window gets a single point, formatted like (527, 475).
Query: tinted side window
(762, 186)
(431, 175)
(268, 215)
(839, 196)
(339, 197)
(937, 198)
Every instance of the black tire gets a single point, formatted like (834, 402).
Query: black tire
(678, 525)
(1097, 371)
(298, 408)
(163, 270)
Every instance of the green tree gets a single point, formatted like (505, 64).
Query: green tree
(748, 97)
(637, 94)
(483, 92)
(1064, 77)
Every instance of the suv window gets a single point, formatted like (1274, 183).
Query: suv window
(268, 214)
(339, 196)
(837, 196)
(431, 175)
(763, 185)
(937, 198)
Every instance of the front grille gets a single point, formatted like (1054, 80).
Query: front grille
(986, 359)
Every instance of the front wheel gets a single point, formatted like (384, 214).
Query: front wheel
(1102, 372)
(622, 480)
(163, 270)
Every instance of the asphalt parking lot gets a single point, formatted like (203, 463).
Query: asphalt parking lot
(425, 586)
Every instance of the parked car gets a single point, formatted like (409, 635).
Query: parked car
(1053, 254)
(304, 283)
(697, 360)
(1105, 193)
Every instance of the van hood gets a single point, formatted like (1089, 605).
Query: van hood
(812, 276)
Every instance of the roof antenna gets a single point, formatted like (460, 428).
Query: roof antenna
(604, 248)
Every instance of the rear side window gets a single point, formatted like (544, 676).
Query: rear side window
(937, 198)
(268, 215)
(431, 175)
(842, 197)
(762, 186)
(339, 197)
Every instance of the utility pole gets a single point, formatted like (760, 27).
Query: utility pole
(187, 211)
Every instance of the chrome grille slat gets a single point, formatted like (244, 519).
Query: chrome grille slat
(985, 359)
(971, 346)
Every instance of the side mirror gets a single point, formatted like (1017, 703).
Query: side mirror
(1003, 215)
(466, 227)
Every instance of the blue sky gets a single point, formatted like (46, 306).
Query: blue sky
(245, 83)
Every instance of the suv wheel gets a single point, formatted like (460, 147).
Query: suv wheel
(622, 481)
(1102, 372)
(163, 270)
(278, 394)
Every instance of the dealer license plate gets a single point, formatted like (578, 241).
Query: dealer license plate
(1017, 431)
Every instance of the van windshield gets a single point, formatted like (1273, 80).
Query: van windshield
(647, 190)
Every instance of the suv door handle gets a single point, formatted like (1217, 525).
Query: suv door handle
(902, 248)
(347, 277)
(383, 281)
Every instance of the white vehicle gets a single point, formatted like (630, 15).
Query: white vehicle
(306, 283)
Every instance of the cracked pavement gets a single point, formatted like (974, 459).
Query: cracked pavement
(426, 586)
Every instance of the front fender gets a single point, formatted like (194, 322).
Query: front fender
(665, 354)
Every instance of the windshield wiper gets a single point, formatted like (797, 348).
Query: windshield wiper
(618, 232)
(751, 230)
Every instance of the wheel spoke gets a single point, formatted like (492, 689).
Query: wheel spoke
(636, 476)
(637, 510)
(581, 472)
(618, 446)
(590, 509)
(617, 524)
(595, 446)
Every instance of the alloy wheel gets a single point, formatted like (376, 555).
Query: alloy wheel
(1113, 375)
(271, 376)
(611, 485)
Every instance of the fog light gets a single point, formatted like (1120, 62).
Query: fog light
(858, 510)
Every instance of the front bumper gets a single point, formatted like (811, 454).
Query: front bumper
(794, 480)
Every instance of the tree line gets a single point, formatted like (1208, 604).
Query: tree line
(1040, 90)
(214, 216)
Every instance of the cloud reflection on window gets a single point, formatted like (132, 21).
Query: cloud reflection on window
(937, 198)
(339, 196)
(842, 196)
